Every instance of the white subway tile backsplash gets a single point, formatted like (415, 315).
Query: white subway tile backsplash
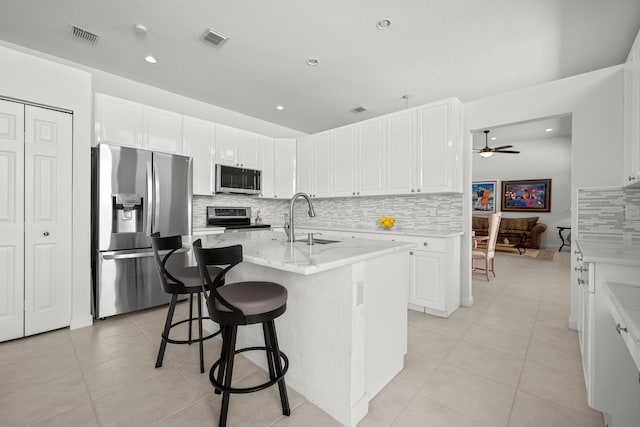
(362, 213)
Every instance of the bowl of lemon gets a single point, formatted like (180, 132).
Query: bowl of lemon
(387, 222)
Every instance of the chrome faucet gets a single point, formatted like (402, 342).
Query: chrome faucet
(288, 226)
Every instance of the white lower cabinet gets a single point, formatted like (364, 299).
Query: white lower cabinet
(435, 273)
(434, 286)
(611, 376)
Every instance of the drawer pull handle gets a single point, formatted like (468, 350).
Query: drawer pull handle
(620, 328)
(411, 253)
(580, 282)
(426, 243)
(580, 269)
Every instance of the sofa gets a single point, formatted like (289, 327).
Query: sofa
(523, 232)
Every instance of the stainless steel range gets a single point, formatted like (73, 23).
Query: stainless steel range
(232, 219)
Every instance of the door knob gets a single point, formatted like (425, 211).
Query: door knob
(46, 233)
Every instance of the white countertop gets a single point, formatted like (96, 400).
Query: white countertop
(611, 253)
(270, 249)
(394, 231)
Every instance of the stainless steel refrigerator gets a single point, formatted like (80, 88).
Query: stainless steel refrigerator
(134, 193)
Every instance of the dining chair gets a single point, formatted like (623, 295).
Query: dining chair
(487, 254)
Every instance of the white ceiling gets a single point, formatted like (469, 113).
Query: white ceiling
(433, 49)
(518, 134)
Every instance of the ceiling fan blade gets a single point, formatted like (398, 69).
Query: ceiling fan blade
(507, 151)
(502, 147)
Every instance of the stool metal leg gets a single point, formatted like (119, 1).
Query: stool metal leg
(230, 350)
(223, 355)
(200, 333)
(278, 368)
(167, 327)
(190, 316)
(269, 350)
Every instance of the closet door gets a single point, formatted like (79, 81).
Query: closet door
(47, 222)
(11, 220)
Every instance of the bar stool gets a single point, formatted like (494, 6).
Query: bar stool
(180, 281)
(241, 303)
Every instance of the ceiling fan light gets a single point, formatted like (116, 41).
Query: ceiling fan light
(486, 154)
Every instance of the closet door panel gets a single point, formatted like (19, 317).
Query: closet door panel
(48, 145)
(11, 220)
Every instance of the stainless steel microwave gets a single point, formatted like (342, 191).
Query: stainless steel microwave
(231, 179)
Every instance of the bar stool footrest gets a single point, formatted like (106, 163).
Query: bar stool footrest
(195, 319)
(222, 388)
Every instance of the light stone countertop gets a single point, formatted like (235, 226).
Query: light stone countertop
(270, 249)
(621, 253)
(394, 231)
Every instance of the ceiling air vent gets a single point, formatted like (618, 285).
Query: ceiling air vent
(84, 34)
(214, 37)
(360, 109)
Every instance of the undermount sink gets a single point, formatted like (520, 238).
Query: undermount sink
(317, 241)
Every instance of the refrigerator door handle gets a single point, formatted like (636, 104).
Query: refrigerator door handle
(149, 206)
(132, 255)
(156, 198)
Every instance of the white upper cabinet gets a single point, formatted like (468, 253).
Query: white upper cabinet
(304, 164)
(370, 157)
(631, 167)
(227, 145)
(439, 147)
(323, 165)
(198, 138)
(344, 161)
(268, 167)
(401, 152)
(118, 121)
(285, 168)
(249, 150)
(237, 147)
(162, 130)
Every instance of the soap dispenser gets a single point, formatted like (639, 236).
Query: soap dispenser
(258, 218)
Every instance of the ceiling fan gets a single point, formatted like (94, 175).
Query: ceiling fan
(488, 151)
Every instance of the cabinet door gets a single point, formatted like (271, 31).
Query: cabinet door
(427, 280)
(12, 196)
(439, 146)
(371, 150)
(198, 138)
(304, 165)
(162, 130)
(344, 172)
(267, 161)
(631, 167)
(249, 150)
(323, 164)
(118, 121)
(47, 234)
(285, 168)
(401, 147)
(226, 145)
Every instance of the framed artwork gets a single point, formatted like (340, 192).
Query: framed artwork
(526, 196)
(483, 196)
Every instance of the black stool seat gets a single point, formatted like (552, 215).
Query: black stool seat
(180, 280)
(242, 303)
(253, 298)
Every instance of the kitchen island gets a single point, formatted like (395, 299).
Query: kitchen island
(345, 328)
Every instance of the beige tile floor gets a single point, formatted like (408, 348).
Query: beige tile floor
(509, 360)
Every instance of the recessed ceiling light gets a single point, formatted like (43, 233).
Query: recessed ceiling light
(140, 29)
(279, 108)
(548, 130)
(150, 59)
(384, 24)
(312, 61)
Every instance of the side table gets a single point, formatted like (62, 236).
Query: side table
(566, 241)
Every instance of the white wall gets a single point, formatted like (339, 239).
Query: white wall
(596, 103)
(538, 159)
(26, 77)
